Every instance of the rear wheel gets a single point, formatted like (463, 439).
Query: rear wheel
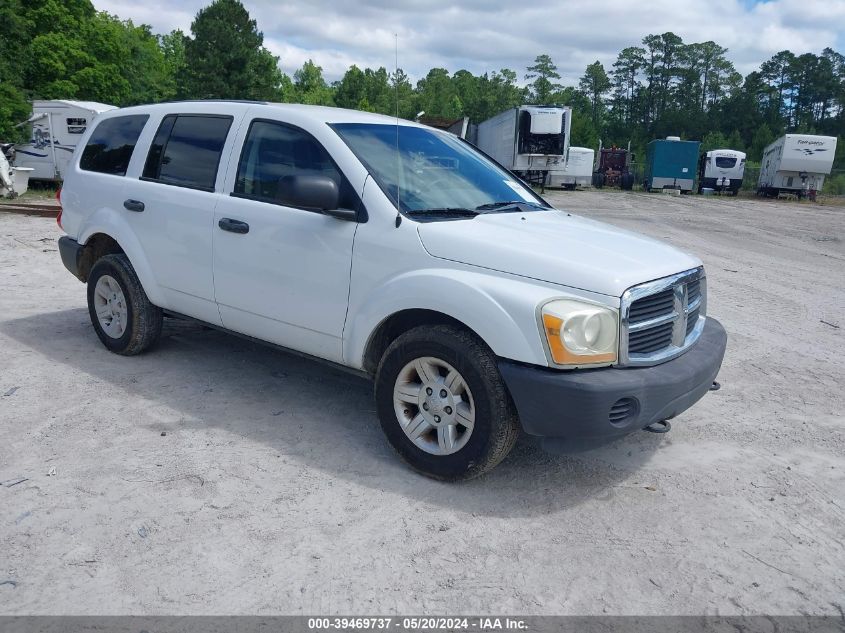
(122, 315)
(443, 404)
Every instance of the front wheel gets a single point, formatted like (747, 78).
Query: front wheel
(443, 404)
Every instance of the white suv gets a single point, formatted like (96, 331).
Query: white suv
(394, 250)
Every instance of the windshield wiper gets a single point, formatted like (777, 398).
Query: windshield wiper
(443, 212)
(496, 206)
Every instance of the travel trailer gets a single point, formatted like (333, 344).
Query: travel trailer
(721, 170)
(528, 140)
(578, 170)
(56, 128)
(670, 164)
(796, 163)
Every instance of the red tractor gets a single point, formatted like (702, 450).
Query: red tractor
(613, 168)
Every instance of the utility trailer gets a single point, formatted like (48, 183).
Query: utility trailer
(671, 164)
(578, 170)
(528, 140)
(721, 170)
(57, 126)
(797, 164)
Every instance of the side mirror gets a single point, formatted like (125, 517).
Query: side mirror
(313, 192)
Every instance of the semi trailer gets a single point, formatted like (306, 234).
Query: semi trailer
(796, 163)
(578, 171)
(528, 140)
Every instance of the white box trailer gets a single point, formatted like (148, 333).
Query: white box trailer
(796, 163)
(57, 126)
(528, 140)
(578, 170)
(721, 170)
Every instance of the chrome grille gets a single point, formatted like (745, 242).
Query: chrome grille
(662, 318)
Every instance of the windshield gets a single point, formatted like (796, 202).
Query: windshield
(432, 171)
(725, 162)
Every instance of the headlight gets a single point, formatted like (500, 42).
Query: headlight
(580, 333)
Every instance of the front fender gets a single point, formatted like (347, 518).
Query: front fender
(115, 226)
(501, 310)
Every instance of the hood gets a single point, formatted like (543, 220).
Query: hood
(556, 247)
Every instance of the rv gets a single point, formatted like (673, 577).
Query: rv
(721, 170)
(56, 128)
(796, 163)
(528, 140)
(670, 164)
(578, 170)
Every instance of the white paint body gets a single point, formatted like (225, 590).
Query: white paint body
(322, 286)
(797, 162)
(578, 171)
(57, 126)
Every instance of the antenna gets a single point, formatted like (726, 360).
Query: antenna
(398, 155)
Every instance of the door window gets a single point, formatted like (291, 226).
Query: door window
(273, 151)
(111, 144)
(76, 126)
(186, 150)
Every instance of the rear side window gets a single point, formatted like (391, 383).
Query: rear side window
(110, 147)
(186, 150)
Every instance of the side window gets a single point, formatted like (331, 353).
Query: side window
(110, 147)
(273, 151)
(186, 150)
(76, 126)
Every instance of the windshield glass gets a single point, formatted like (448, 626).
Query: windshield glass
(725, 162)
(432, 170)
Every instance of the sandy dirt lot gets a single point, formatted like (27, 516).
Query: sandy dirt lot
(215, 476)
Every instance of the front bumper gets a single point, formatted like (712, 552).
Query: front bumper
(597, 405)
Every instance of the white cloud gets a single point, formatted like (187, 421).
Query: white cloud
(481, 35)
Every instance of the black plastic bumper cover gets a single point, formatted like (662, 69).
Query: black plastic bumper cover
(576, 405)
(70, 251)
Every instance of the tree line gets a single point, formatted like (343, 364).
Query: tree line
(52, 49)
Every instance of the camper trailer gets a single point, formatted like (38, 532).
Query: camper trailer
(796, 163)
(528, 140)
(670, 164)
(578, 170)
(721, 170)
(56, 127)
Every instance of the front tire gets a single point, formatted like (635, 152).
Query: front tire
(122, 315)
(443, 404)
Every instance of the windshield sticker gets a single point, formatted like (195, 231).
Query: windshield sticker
(520, 190)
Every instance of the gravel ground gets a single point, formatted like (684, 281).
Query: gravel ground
(214, 476)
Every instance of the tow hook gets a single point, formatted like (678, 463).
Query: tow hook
(661, 426)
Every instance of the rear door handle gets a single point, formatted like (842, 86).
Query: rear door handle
(233, 226)
(133, 205)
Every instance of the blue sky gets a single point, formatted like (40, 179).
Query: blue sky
(481, 35)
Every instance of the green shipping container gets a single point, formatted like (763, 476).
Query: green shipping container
(671, 164)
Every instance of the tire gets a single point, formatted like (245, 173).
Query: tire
(627, 181)
(140, 320)
(495, 427)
